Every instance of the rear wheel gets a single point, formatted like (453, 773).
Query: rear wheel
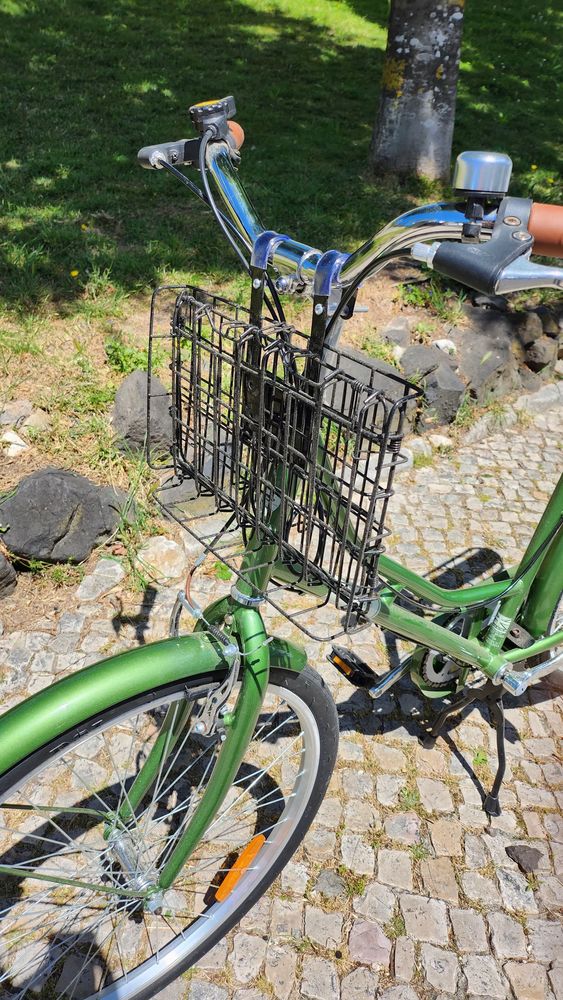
(59, 810)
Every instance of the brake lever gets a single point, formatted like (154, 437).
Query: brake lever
(181, 153)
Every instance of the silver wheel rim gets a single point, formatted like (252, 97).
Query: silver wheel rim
(178, 951)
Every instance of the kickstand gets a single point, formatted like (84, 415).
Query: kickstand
(491, 695)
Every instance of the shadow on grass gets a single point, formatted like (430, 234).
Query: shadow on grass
(89, 82)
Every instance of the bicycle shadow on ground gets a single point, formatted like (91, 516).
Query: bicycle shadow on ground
(141, 620)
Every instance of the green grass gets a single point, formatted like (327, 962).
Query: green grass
(88, 82)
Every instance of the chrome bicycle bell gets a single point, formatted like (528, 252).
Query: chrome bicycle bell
(482, 174)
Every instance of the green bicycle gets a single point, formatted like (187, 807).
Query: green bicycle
(151, 799)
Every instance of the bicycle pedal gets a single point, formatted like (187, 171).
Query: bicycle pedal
(351, 667)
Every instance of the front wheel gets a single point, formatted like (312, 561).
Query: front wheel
(75, 918)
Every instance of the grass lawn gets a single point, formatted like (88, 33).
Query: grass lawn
(85, 233)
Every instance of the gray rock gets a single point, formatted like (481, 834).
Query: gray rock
(527, 858)
(469, 930)
(12, 444)
(398, 331)
(8, 577)
(425, 919)
(516, 894)
(529, 328)
(507, 936)
(548, 321)
(14, 413)
(129, 415)
(324, 929)
(486, 356)
(376, 903)
(280, 970)
(38, 420)
(541, 353)
(546, 939)
(443, 390)
(382, 377)
(483, 979)
(360, 984)
(446, 346)
(320, 981)
(58, 516)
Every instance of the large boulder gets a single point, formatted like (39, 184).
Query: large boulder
(382, 377)
(58, 516)
(433, 369)
(8, 578)
(129, 416)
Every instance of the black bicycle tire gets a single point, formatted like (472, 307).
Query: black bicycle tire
(309, 685)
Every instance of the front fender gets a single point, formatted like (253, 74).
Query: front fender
(68, 702)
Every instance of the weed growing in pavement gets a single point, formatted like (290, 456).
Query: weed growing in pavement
(379, 349)
(355, 884)
(435, 295)
(395, 928)
(419, 852)
(409, 798)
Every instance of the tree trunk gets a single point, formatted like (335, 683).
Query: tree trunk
(414, 127)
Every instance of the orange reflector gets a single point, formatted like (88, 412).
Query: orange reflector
(244, 859)
(340, 663)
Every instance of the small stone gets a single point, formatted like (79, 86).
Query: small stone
(441, 968)
(546, 940)
(483, 979)
(105, 576)
(441, 442)
(361, 984)
(404, 960)
(388, 788)
(12, 444)
(377, 902)
(527, 858)
(425, 919)
(367, 944)
(507, 936)
(469, 930)
(516, 894)
(434, 795)
(357, 855)
(323, 928)
(199, 990)
(528, 981)
(439, 879)
(13, 413)
(247, 957)
(38, 420)
(479, 889)
(445, 345)
(394, 868)
(330, 885)
(8, 577)
(446, 836)
(295, 878)
(319, 980)
(280, 970)
(403, 827)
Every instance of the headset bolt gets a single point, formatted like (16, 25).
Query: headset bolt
(318, 309)
(256, 283)
(199, 727)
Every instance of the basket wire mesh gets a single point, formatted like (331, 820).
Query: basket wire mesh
(296, 452)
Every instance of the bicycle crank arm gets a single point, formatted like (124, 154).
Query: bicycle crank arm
(390, 678)
(517, 684)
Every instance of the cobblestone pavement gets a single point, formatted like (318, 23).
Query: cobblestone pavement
(402, 888)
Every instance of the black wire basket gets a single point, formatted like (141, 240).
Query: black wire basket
(298, 452)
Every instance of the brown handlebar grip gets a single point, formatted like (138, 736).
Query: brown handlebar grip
(546, 226)
(237, 133)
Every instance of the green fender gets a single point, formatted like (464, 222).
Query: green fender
(56, 709)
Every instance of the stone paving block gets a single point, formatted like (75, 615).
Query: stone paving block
(323, 928)
(287, 919)
(357, 855)
(441, 968)
(447, 837)
(550, 893)
(434, 795)
(360, 817)
(469, 931)
(398, 993)
(516, 894)
(425, 919)
(331, 885)
(479, 889)
(532, 795)
(216, 958)
(403, 827)
(483, 978)
(387, 789)
(258, 917)
(377, 902)
(404, 960)
(319, 980)
(361, 984)
(294, 878)
(199, 990)
(320, 844)
(475, 853)
(247, 957)
(394, 868)
(528, 981)
(252, 994)
(507, 936)
(389, 759)
(555, 976)
(430, 762)
(329, 814)
(439, 879)
(541, 749)
(368, 944)
(554, 827)
(280, 968)
(546, 940)
(357, 784)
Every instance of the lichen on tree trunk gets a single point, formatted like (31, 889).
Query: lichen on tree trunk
(414, 127)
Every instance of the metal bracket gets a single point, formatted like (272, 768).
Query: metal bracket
(326, 272)
(264, 245)
(245, 599)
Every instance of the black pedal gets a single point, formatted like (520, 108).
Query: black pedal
(352, 667)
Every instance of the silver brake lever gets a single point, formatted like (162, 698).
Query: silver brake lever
(518, 276)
